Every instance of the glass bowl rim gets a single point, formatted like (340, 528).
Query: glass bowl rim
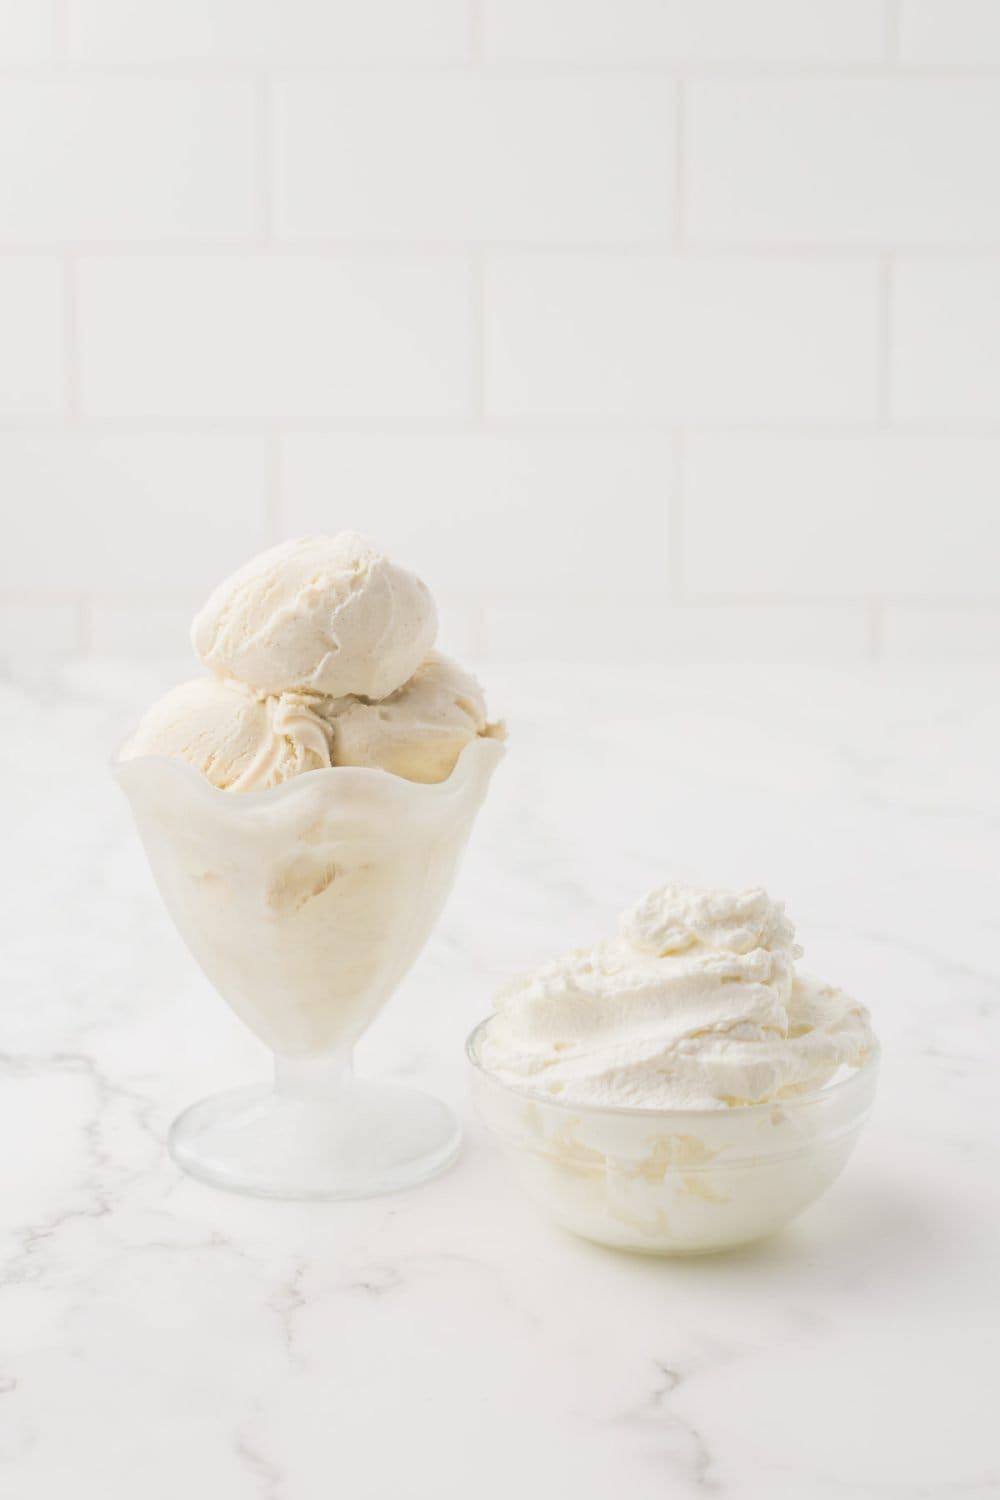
(866, 1071)
(269, 796)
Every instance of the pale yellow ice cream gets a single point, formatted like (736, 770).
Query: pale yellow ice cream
(241, 742)
(307, 905)
(318, 614)
(420, 730)
(321, 655)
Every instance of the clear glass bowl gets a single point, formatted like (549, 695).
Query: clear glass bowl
(675, 1182)
(305, 905)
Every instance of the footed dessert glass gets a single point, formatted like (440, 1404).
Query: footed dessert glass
(305, 905)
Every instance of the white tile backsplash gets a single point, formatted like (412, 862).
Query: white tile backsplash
(920, 632)
(678, 339)
(138, 630)
(960, 33)
(676, 633)
(684, 31)
(514, 516)
(37, 630)
(115, 159)
(475, 158)
(27, 30)
(653, 327)
(945, 320)
(132, 514)
(34, 364)
(842, 517)
(270, 33)
(867, 162)
(275, 336)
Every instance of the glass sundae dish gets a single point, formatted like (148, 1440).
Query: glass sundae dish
(304, 868)
(680, 1087)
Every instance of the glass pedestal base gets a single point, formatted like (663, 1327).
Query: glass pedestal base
(317, 1133)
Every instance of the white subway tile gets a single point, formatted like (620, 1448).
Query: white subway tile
(147, 630)
(843, 161)
(825, 517)
(655, 338)
(950, 33)
(143, 630)
(701, 31)
(767, 632)
(562, 631)
(26, 31)
(29, 631)
(458, 625)
(271, 32)
(32, 328)
(945, 356)
(521, 517)
(962, 633)
(130, 514)
(444, 158)
(126, 159)
(721, 633)
(262, 336)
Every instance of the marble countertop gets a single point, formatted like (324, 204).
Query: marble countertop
(160, 1340)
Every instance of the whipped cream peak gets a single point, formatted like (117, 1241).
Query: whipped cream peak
(674, 918)
(733, 935)
(695, 1004)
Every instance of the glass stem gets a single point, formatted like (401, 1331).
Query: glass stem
(305, 1078)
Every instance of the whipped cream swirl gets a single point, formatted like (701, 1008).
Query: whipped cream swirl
(695, 1004)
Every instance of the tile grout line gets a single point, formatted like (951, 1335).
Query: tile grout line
(680, 176)
(60, 31)
(84, 609)
(263, 135)
(478, 630)
(753, 70)
(172, 597)
(274, 495)
(474, 36)
(890, 31)
(883, 407)
(883, 347)
(263, 156)
(476, 617)
(196, 423)
(71, 341)
(675, 519)
(292, 247)
(132, 598)
(477, 338)
(727, 598)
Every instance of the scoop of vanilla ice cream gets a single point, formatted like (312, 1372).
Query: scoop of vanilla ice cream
(420, 730)
(241, 742)
(328, 615)
(694, 1004)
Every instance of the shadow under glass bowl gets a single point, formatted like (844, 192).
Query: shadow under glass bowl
(674, 1182)
(305, 905)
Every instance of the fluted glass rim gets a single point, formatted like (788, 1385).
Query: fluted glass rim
(122, 766)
